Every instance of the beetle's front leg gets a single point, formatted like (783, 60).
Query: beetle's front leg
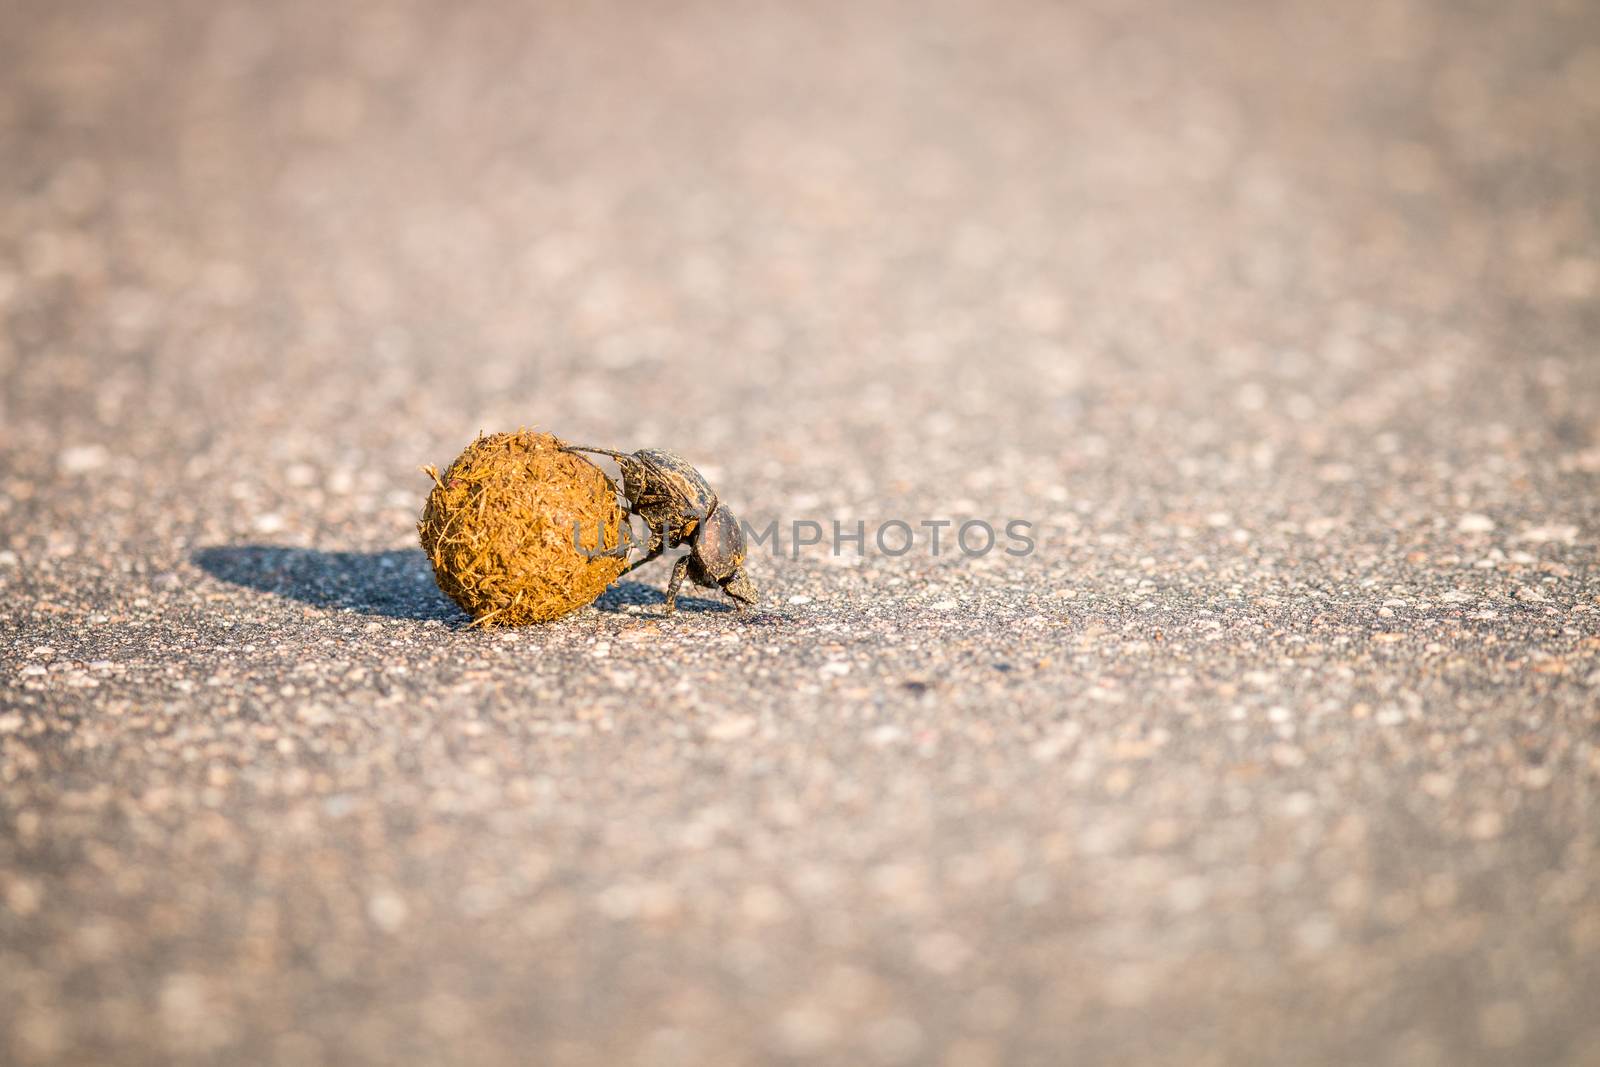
(641, 561)
(679, 569)
(654, 548)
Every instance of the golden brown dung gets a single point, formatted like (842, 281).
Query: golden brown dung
(498, 529)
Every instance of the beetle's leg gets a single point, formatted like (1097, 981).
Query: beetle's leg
(659, 541)
(678, 570)
(688, 518)
(654, 548)
(619, 550)
(640, 562)
(601, 451)
(689, 521)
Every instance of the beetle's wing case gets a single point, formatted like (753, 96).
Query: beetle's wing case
(721, 545)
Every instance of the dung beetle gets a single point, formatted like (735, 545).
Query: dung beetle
(679, 507)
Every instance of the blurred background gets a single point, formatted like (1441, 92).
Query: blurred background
(1278, 320)
(844, 248)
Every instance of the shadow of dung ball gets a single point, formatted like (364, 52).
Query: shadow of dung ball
(498, 529)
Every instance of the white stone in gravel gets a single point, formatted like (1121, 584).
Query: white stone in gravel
(1320, 528)
(799, 598)
(1486, 825)
(732, 728)
(886, 735)
(270, 523)
(1472, 522)
(1299, 804)
(1049, 748)
(944, 605)
(8, 558)
(1565, 533)
(81, 459)
(387, 911)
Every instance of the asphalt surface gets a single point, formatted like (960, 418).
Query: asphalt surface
(1277, 321)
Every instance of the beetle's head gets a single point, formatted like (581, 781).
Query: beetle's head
(742, 590)
(634, 478)
(719, 544)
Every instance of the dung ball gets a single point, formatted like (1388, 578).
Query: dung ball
(498, 529)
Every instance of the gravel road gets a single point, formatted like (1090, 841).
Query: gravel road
(1276, 321)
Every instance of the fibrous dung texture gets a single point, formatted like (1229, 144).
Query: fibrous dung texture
(498, 528)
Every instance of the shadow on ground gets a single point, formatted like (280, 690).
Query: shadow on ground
(396, 584)
(622, 595)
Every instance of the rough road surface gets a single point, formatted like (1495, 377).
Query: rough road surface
(1278, 321)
